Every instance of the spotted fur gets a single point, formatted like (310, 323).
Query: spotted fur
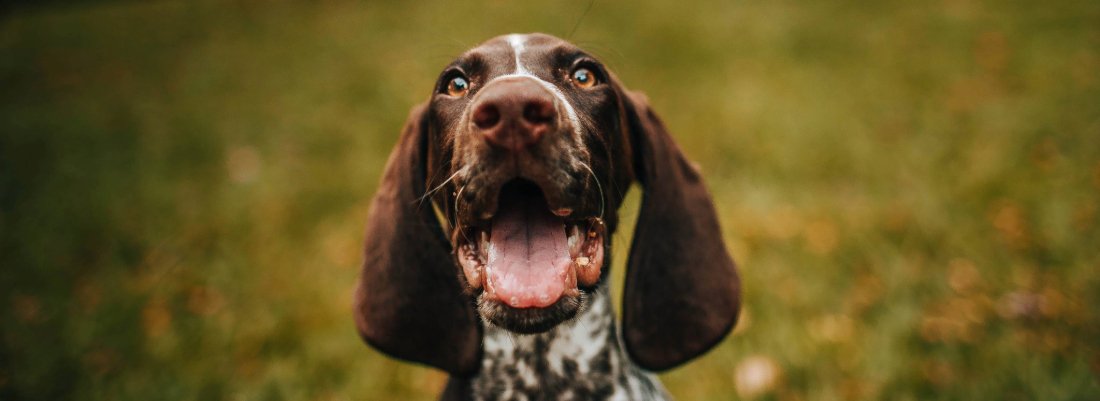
(581, 359)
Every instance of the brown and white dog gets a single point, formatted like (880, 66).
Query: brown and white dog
(526, 148)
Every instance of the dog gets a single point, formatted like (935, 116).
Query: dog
(488, 240)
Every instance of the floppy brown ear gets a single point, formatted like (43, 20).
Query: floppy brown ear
(682, 293)
(409, 303)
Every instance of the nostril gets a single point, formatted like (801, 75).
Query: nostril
(538, 112)
(486, 116)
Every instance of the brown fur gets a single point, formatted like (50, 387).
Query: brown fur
(682, 291)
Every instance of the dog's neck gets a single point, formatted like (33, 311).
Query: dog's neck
(580, 359)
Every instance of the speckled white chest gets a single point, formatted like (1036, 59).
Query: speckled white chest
(580, 359)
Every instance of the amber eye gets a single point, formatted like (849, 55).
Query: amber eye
(584, 78)
(458, 87)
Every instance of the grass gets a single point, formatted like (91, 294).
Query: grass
(911, 190)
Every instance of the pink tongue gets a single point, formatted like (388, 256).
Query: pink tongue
(528, 262)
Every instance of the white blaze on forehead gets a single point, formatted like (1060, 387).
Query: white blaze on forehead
(518, 43)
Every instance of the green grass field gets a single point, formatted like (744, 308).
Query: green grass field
(911, 189)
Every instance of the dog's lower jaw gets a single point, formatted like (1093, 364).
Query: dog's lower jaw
(530, 320)
(579, 359)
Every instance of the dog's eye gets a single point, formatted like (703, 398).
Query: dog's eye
(584, 78)
(458, 87)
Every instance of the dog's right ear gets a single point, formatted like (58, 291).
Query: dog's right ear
(409, 303)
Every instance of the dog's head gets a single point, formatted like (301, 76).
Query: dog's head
(527, 147)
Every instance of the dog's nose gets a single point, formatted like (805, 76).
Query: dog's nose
(514, 113)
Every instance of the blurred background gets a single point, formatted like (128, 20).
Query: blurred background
(911, 189)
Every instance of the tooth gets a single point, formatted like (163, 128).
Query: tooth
(471, 268)
(574, 240)
(483, 246)
(582, 261)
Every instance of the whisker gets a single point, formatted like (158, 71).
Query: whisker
(598, 186)
(437, 188)
(458, 195)
(581, 19)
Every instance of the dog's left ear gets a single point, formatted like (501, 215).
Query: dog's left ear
(682, 293)
(409, 303)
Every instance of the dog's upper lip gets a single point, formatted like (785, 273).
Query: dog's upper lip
(485, 209)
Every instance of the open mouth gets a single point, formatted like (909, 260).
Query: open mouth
(528, 262)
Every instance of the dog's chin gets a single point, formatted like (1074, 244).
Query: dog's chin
(530, 320)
